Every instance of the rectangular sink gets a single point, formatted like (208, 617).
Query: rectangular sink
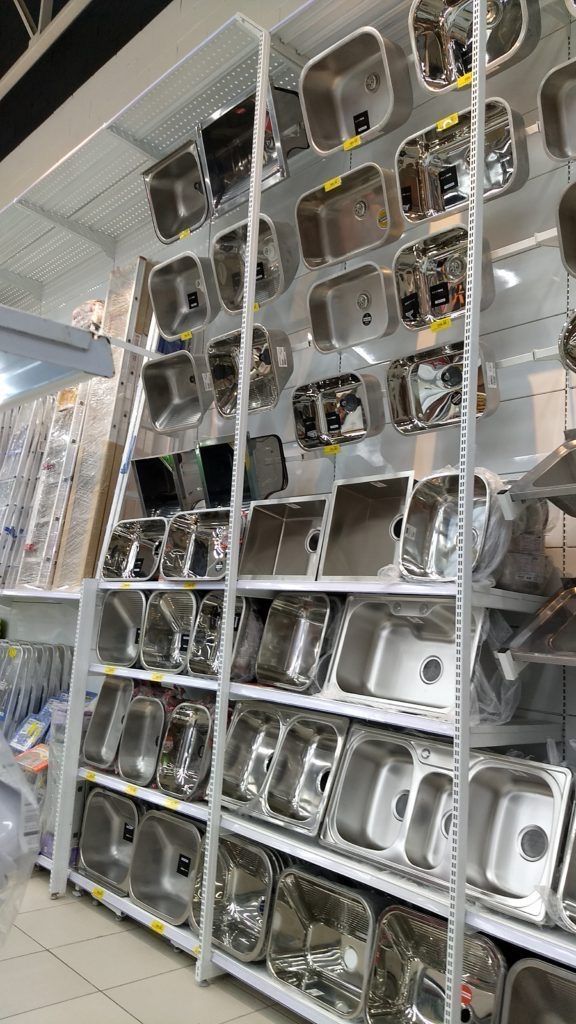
(163, 866)
(204, 655)
(549, 638)
(196, 545)
(321, 941)
(107, 838)
(283, 539)
(433, 167)
(425, 389)
(566, 225)
(566, 887)
(120, 629)
(183, 294)
(354, 212)
(408, 972)
(272, 366)
(276, 266)
(251, 741)
(176, 193)
(141, 739)
(557, 108)
(360, 86)
(178, 391)
(441, 35)
(184, 762)
(134, 548)
(363, 527)
(430, 278)
(515, 833)
(554, 479)
(167, 626)
(338, 410)
(539, 992)
(297, 641)
(352, 307)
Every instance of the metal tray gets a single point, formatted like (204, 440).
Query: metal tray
(167, 627)
(352, 307)
(107, 722)
(283, 539)
(133, 551)
(272, 366)
(276, 265)
(141, 739)
(178, 391)
(163, 866)
(183, 294)
(119, 632)
(176, 193)
(549, 638)
(184, 761)
(196, 545)
(106, 843)
(338, 410)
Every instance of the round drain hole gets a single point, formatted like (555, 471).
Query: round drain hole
(396, 527)
(363, 300)
(400, 805)
(372, 82)
(533, 842)
(312, 541)
(350, 958)
(323, 780)
(446, 824)
(267, 763)
(430, 670)
(494, 13)
(360, 209)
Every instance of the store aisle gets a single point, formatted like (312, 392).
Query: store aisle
(69, 961)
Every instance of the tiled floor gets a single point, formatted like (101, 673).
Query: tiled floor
(69, 961)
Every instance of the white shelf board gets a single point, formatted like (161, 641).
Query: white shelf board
(44, 862)
(160, 585)
(150, 676)
(553, 943)
(181, 936)
(151, 796)
(31, 594)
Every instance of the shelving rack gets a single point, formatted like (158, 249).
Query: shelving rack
(110, 220)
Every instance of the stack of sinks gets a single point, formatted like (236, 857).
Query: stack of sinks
(134, 548)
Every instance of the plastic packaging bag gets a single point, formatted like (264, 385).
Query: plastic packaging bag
(493, 698)
(19, 837)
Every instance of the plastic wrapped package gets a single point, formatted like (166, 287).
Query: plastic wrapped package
(19, 837)
(18, 474)
(526, 568)
(34, 764)
(493, 698)
(55, 767)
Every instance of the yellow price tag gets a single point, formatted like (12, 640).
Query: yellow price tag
(446, 122)
(256, 307)
(351, 143)
(441, 325)
(131, 790)
(12, 652)
(125, 585)
(195, 950)
(185, 233)
(464, 80)
(91, 776)
(109, 670)
(158, 927)
(333, 183)
(98, 893)
(331, 449)
(172, 804)
(157, 677)
(189, 585)
(186, 336)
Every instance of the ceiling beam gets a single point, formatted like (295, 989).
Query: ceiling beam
(97, 238)
(25, 284)
(29, 23)
(41, 41)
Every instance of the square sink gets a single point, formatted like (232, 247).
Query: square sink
(163, 866)
(196, 545)
(120, 629)
(539, 992)
(338, 410)
(178, 391)
(272, 366)
(297, 641)
(283, 539)
(557, 110)
(251, 742)
(352, 307)
(176, 193)
(183, 294)
(106, 843)
(133, 551)
(167, 627)
(276, 266)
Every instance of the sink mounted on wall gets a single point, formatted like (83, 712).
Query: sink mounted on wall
(176, 193)
(338, 410)
(276, 262)
(272, 365)
(183, 294)
(352, 307)
(178, 391)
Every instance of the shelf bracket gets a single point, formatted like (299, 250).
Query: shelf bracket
(98, 238)
(25, 284)
(138, 144)
(540, 238)
(511, 668)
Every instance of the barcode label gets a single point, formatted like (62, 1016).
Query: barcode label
(282, 357)
(207, 381)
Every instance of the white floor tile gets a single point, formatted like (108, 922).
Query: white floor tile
(122, 958)
(72, 922)
(37, 895)
(29, 982)
(177, 998)
(94, 1009)
(18, 944)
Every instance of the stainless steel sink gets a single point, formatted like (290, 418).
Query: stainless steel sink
(425, 389)
(360, 86)
(168, 624)
(297, 641)
(183, 294)
(408, 972)
(557, 108)
(539, 992)
(549, 637)
(433, 167)
(566, 887)
(554, 479)
(163, 866)
(272, 366)
(106, 843)
(567, 344)
(363, 527)
(120, 628)
(141, 739)
(204, 653)
(283, 539)
(515, 833)
(441, 34)
(176, 193)
(251, 741)
(349, 214)
(133, 551)
(430, 278)
(338, 410)
(196, 545)
(321, 941)
(566, 225)
(352, 307)
(107, 722)
(178, 391)
(276, 266)
(184, 761)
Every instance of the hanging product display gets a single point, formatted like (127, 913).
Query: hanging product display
(176, 193)
(272, 366)
(352, 307)
(338, 410)
(183, 294)
(556, 111)
(178, 391)
(275, 269)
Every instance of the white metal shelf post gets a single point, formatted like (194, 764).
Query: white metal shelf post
(464, 595)
(205, 969)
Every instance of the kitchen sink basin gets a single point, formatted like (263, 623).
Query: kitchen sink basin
(163, 866)
(441, 34)
(515, 832)
(433, 167)
(133, 551)
(408, 972)
(183, 294)
(272, 366)
(251, 742)
(176, 193)
(363, 527)
(358, 87)
(283, 539)
(352, 307)
(566, 888)
(557, 108)
(554, 479)
(167, 627)
(120, 628)
(337, 410)
(430, 278)
(428, 836)
(297, 640)
(205, 643)
(105, 728)
(276, 262)
(196, 545)
(567, 344)
(106, 843)
(347, 215)
(141, 739)
(566, 224)
(321, 941)
(425, 389)
(550, 636)
(184, 762)
(539, 992)
(178, 391)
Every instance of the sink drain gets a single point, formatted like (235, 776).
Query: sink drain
(311, 542)
(322, 781)
(400, 804)
(430, 670)
(533, 842)
(350, 958)
(446, 824)
(396, 527)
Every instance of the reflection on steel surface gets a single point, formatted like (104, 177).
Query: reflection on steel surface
(134, 549)
(272, 365)
(338, 410)
(106, 843)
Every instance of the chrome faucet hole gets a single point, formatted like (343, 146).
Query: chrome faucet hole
(431, 670)
(400, 805)
(466, 1015)
(533, 843)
